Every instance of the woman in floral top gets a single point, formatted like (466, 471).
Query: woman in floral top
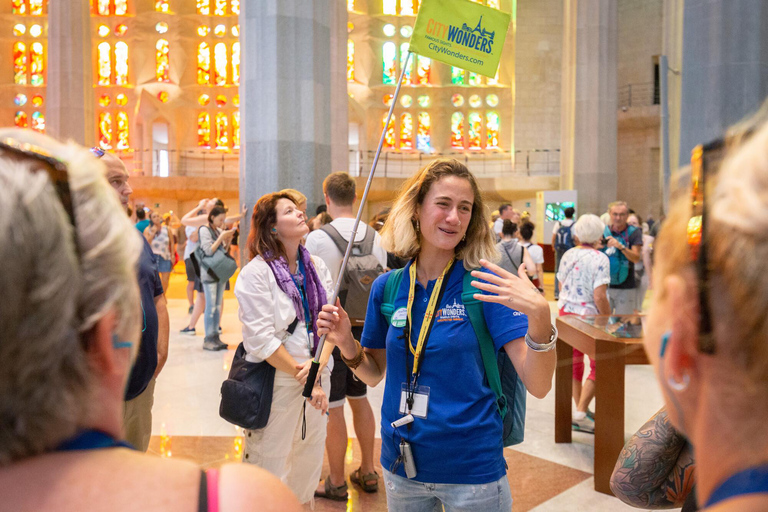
(584, 276)
(159, 239)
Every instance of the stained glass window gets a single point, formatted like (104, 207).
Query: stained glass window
(235, 130)
(35, 30)
(203, 63)
(203, 30)
(424, 101)
(20, 119)
(475, 101)
(161, 27)
(121, 63)
(104, 100)
(102, 7)
(122, 130)
(474, 79)
(389, 75)
(409, 7)
(406, 131)
(492, 129)
(494, 3)
(220, 8)
(220, 63)
(389, 30)
(423, 138)
(389, 7)
(204, 7)
(37, 100)
(406, 100)
(457, 76)
(36, 7)
(203, 100)
(38, 122)
(492, 100)
(423, 70)
(19, 7)
(457, 100)
(19, 63)
(236, 63)
(103, 31)
(162, 63)
(350, 5)
(220, 30)
(121, 29)
(204, 129)
(389, 137)
(19, 29)
(350, 61)
(494, 80)
(36, 64)
(474, 130)
(222, 131)
(121, 7)
(407, 79)
(105, 130)
(104, 60)
(235, 7)
(457, 130)
(20, 100)
(121, 99)
(162, 6)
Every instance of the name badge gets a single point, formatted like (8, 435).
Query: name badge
(420, 401)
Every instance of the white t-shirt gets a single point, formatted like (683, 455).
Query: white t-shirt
(497, 225)
(581, 271)
(266, 312)
(536, 252)
(191, 246)
(320, 244)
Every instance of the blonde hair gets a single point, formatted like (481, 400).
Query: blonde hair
(297, 197)
(399, 234)
(737, 225)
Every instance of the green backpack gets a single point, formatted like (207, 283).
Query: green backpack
(501, 374)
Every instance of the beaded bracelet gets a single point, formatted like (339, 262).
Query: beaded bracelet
(357, 360)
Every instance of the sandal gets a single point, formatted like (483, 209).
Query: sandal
(362, 480)
(332, 492)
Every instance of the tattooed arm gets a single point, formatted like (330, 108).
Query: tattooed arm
(656, 467)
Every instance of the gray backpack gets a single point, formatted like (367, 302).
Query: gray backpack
(362, 269)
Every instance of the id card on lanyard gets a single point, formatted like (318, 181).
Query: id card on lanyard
(414, 399)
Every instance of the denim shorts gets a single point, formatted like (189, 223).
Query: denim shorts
(405, 495)
(163, 265)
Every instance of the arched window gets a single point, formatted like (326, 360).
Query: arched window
(220, 8)
(122, 130)
(162, 6)
(121, 7)
(222, 131)
(389, 137)
(36, 64)
(406, 131)
(102, 7)
(389, 75)
(220, 63)
(350, 61)
(203, 64)
(204, 130)
(236, 63)
(389, 6)
(20, 119)
(38, 122)
(121, 63)
(235, 9)
(457, 130)
(204, 7)
(19, 7)
(20, 63)
(423, 70)
(105, 63)
(162, 62)
(105, 130)
(457, 76)
(406, 7)
(474, 79)
(36, 9)
(475, 129)
(407, 79)
(492, 129)
(423, 137)
(235, 130)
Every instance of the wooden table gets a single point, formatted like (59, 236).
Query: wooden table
(591, 335)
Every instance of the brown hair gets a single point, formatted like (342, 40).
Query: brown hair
(340, 188)
(261, 241)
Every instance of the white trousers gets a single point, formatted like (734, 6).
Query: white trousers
(279, 448)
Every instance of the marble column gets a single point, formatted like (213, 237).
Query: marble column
(69, 103)
(285, 98)
(725, 67)
(339, 95)
(589, 102)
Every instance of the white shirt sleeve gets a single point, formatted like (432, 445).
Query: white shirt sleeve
(257, 311)
(324, 274)
(378, 250)
(537, 253)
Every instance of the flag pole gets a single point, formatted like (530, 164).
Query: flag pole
(332, 300)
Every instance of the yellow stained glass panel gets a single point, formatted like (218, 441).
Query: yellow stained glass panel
(36, 65)
(204, 7)
(162, 61)
(204, 130)
(222, 131)
(121, 7)
(105, 130)
(203, 64)
(121, 63)
(220, 64)
(350, 61)
(122, 131)
(406, 131)
(19, 63)
(236, 63)
(236, 130)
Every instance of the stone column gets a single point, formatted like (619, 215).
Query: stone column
(69, 103)
(589, 102)
(725, 71)
(285, 98)
(339, 96)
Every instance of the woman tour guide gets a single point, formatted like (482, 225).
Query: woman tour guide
(430, 355)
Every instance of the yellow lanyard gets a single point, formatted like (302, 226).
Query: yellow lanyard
(427, 315)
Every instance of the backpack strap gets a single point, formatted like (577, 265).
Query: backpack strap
(366, 246)
(390, 293)
(474, 309)
(332, 232)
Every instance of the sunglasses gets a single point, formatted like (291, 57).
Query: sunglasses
(705, 162)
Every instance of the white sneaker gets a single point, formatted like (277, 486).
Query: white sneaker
(585, 424)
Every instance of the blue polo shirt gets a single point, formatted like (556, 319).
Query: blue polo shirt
(460, 440)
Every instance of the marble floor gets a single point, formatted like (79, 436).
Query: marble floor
(544, 476)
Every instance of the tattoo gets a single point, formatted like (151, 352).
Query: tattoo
(656, 467)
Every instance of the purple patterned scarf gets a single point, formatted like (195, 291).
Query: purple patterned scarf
(316, 297)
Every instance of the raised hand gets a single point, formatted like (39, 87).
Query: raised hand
(514, 291)
(334, 322)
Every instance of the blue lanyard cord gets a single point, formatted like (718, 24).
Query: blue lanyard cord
(91, 440)
(748, 481)
(305, 303)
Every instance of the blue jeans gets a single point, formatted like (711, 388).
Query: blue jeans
(558, 257)
(404, 495)
(214, 298)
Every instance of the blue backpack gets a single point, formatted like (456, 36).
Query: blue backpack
(619, 263)
(564, 239)
(501, 374)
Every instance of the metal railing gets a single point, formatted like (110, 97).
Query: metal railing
(395, 164)
(639, 95)
(182, 162)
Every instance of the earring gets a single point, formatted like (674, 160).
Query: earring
(274, 231)
(464, 238)
(679, 385)
(418, 228)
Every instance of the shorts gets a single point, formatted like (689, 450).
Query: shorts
(191, 275)
(343, 382)
(163, 265)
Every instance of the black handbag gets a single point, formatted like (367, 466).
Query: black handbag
(246, 395)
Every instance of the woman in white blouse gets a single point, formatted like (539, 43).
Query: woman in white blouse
(280, 292)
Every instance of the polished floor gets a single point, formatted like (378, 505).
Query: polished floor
(544, 476)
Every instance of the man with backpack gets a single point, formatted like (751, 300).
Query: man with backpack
(562, 240)
(366, 262)
(623, 245)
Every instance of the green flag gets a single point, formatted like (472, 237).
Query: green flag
(461, 33)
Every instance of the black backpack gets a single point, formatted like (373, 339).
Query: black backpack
(362, 270)
(564, 239)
